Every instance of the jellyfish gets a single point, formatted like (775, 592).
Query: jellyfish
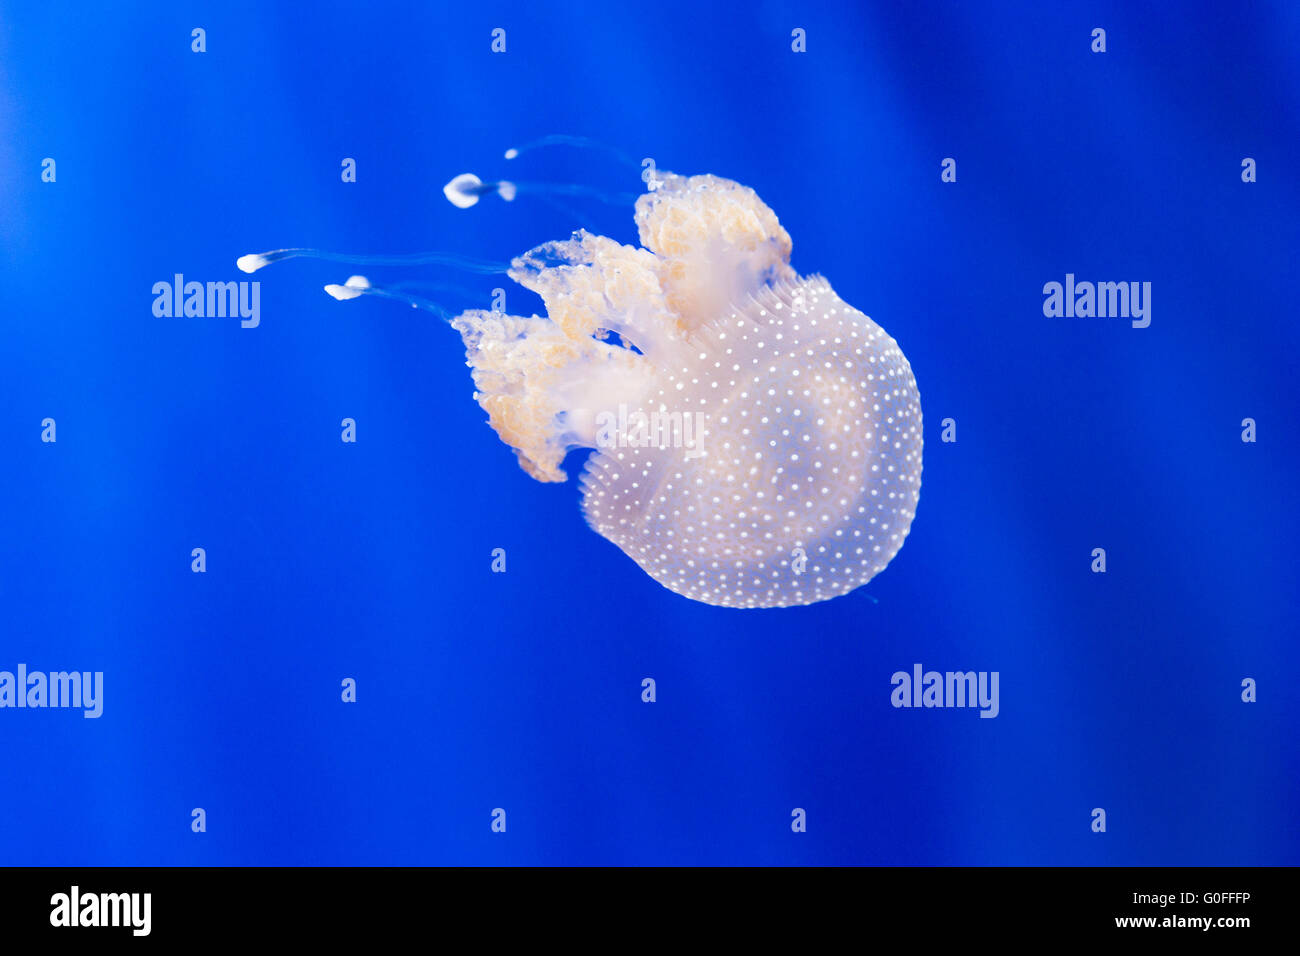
(755, 440)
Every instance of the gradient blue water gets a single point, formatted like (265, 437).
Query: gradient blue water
(522, 690)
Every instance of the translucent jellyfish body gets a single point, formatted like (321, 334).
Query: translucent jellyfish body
(757, 439)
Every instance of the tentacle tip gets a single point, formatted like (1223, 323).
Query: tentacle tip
(462, 191)
(511, 153)
(507, 190)
(350, 290)
(251, 263)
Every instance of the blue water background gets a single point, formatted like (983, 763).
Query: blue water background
(522, 690)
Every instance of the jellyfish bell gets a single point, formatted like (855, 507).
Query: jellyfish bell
(808, 416)
(756, 441)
